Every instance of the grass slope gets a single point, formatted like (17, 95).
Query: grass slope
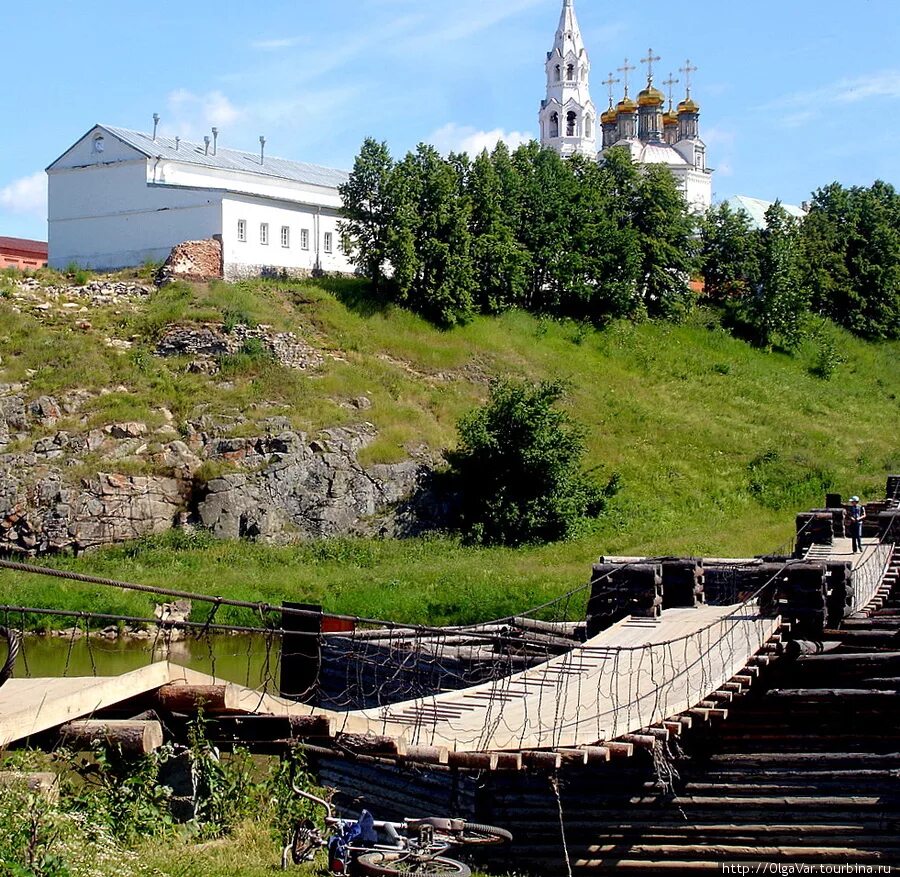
(717, 443)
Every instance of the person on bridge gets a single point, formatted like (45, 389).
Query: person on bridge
(857, 514)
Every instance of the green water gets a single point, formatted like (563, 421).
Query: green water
(246, 660)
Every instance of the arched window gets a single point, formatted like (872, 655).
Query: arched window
(570, 72)
(588, 127)
(554, 125)
(571, 123)
(558, 73)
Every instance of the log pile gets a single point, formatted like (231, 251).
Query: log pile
(814, 528)
(619, 591)
(683, 583)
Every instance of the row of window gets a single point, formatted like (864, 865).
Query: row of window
(571, 125)
(327, 242)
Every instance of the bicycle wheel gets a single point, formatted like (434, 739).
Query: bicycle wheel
(390, 863)
(305, 842)
(458, 832)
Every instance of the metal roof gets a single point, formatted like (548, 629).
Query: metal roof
(756, 209)
(23, 245)
(229, 159)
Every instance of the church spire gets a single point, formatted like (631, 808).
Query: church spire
(568, 116)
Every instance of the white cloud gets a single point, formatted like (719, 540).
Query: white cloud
(27, 196)
(465, 138)
(274, 45)
(188, 111)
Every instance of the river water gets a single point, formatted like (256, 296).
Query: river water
(246, 659)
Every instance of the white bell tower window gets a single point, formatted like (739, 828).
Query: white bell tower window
(554, 124)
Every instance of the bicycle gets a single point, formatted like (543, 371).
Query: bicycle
(414, 846)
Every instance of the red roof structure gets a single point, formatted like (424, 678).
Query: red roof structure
(22, 253)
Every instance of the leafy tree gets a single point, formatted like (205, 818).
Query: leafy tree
(667, 243)
(368, 209)
(500, 263)
(518, 469)
(780, 305)
(430, 241)
(851, 242)
(728, 252)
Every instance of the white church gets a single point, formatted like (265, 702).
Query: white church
(120, 198)
(568, 117)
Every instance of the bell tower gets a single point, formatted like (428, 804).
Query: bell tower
(568, 117)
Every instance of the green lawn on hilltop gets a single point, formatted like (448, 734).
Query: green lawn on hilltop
(717, 443)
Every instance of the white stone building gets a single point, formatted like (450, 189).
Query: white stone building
(119, 198)
(652, 136)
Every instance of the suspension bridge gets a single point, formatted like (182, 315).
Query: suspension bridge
(523, 696)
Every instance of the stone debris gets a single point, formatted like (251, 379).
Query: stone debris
(195, 261)
(205, 344)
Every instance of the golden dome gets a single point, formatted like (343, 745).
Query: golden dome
(688, 106)
(670, 118)
(651, 97)
(626, 105)
(609, 117)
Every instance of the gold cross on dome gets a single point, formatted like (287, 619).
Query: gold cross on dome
(609, 83)
(625, 70)
(688, 70)
(650, 60)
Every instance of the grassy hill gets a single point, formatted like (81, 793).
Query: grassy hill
(717, 443)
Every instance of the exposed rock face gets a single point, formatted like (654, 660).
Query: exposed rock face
(311, 489)
(47, 515)
(194, 261)
(276, 487)
(205, 343)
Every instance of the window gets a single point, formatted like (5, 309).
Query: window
(571, 123)
(264, 233)
(285, 236)
(588, 127)
(558, 73)
(242, 230)
(554, 125)
(570, 72)
(344, 245)
(304, 238)
(329, 241)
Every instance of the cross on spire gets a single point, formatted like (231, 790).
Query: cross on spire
(650, 60)
(625, 70)
(671, 82)
(688, 70)
(609, 83)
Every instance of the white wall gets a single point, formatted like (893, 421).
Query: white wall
(105, 216)
(249, 257)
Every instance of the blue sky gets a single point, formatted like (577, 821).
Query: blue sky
(794, 94)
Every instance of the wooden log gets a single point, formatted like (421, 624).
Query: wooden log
(820, 695)
(373, 745)
(597, 754)
(474, 760)
(849, 661)
(427, 754)
(639, 741)
(542, 760)
(176, 698)
(509, 760)
(133, 738)
(251, 728)
(44, 784)
(660, 733)
(572, 757)
(674, 728)
(619, 749)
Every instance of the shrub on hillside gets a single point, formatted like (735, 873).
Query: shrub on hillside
(518, 469)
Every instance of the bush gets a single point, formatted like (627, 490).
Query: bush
(518, 469)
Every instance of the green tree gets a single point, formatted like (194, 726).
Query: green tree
(499, 261)
(778, 309)
(430, 241)
(728, 252)
(368, 210)
(666, 229)
(851, 244)
(518, 469)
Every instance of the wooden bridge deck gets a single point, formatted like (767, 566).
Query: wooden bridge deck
(635, 674)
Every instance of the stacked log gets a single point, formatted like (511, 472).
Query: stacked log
(839, 578)
(893, 487)
(838, 520)
(814, 528)
(682, 583)
(802, 598)
(619, 591)
(889, 526)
